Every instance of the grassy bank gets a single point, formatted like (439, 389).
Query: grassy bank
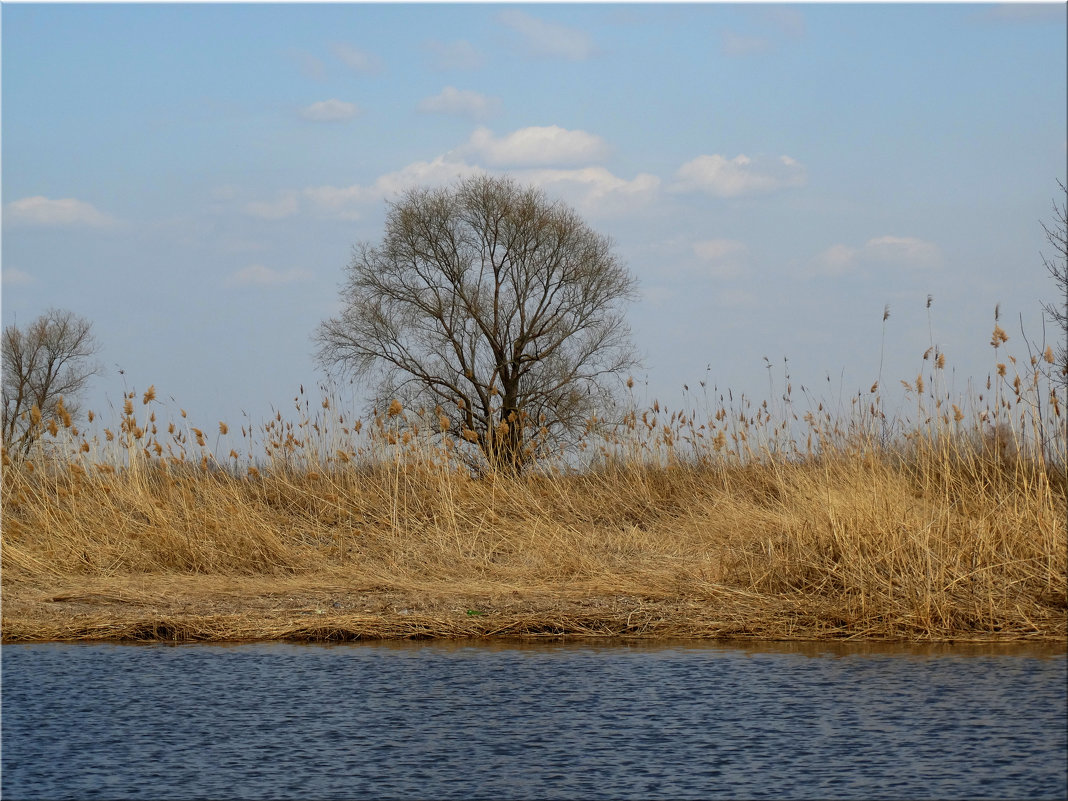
(946, 524)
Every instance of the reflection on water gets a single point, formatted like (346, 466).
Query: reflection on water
(534, 720)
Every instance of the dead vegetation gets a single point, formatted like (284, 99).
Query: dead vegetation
(741, 522)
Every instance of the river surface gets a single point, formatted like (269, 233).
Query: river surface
(530, 721)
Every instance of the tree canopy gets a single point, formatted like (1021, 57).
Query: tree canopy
(46, 366)
(492, 305)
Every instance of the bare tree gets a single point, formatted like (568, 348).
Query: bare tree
(46, 366)
(1057, 266)
(496, 307)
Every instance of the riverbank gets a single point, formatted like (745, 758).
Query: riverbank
(946, 525)
(848, 546)
(193, 608)
(324, 609)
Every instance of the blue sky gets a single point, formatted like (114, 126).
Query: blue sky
(192, 178)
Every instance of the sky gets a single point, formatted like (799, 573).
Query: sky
(192, 178)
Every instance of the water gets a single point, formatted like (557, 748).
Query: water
(469, 720)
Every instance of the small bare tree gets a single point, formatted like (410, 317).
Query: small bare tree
(46, 366)
(1057, 236)
(499, 309)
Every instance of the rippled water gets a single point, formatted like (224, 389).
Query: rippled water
(469, 720)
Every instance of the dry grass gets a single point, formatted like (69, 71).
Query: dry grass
(946, 525)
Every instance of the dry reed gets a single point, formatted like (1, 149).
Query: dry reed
(744, 520)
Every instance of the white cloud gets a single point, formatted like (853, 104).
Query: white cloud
(347, 202)
(332, 110)
(595, 190)
(451, 100)
(350, 202)
(258, 275)
(549, 38)
(537, 146)
(592, 190)
(339, 201)
(739, 176)
(439, 172)
(284, 206)
(721, 258)
(903, 251)
(358, 60)
(458, 55)
(14, 277)
(881, 252)
(40, 210)
(836, 260)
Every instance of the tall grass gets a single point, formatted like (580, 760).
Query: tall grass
(780, 516)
